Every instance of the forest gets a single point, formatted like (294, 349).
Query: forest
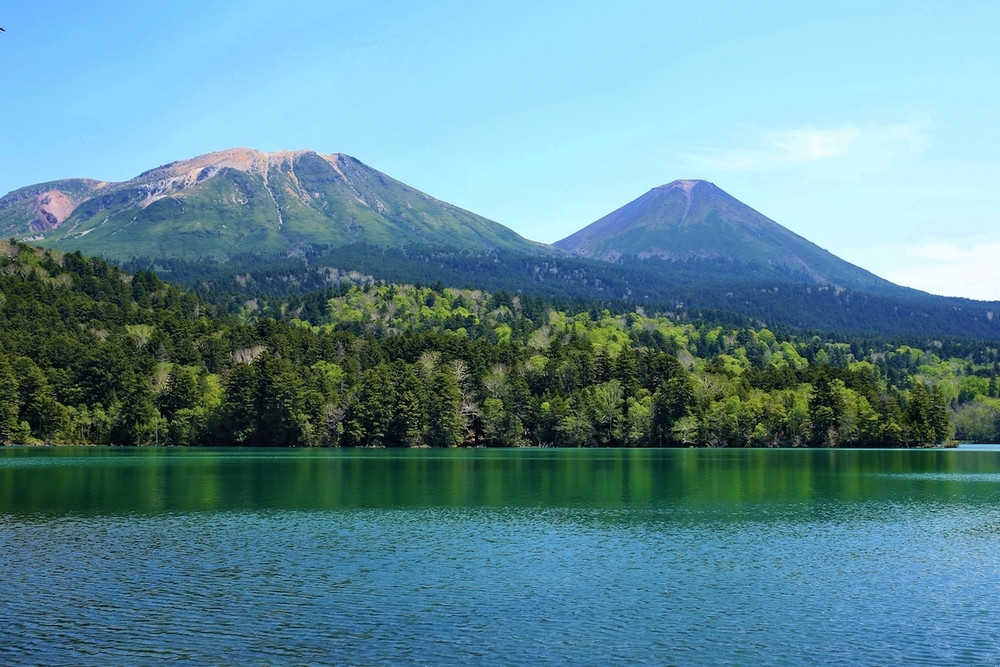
(706, 288)
(93, 354)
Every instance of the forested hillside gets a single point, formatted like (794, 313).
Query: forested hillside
(693, 288)
(241, 225)
(92, 354)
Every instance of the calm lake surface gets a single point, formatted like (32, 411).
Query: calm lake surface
(687, 557)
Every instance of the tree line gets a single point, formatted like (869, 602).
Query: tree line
(710, 288)
(90, 353)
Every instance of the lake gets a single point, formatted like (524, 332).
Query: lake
(686, 557)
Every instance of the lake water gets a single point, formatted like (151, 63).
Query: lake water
(687, 557)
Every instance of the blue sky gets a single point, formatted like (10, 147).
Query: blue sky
(872, 129)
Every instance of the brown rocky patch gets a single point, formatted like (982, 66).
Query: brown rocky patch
(51, 209)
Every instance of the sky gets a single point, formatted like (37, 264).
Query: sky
(870, 128)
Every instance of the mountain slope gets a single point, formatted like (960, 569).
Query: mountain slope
(239, 201)
(695, 221)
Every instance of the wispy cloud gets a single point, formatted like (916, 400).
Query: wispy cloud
(808, 144)
(940, 252)
(872, 146)
(966, 269)
(956, 226)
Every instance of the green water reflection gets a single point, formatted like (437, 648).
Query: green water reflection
(110, 481)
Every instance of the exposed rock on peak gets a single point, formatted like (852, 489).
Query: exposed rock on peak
(51, 208)
(243, 200)
(243, 159)
(685, 185)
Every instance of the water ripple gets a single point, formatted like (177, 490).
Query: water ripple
(591, 558)
(499, 586)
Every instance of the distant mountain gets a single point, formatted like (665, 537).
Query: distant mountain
(239, 201)
(695, 222)
(294, 222)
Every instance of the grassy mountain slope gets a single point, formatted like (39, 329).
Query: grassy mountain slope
(239, 201)
(695, 220)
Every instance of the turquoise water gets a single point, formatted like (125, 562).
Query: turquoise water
(687, 557)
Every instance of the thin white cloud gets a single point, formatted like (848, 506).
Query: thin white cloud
(956, 226)
(969, 270)
(942, 252)
(867, 147)
(808, 144)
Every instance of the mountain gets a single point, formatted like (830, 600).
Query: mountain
(289, 223)
(239, 201)
(695, 222)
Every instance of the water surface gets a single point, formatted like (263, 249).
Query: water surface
(782, 557)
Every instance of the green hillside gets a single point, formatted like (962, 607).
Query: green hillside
(90, 353)
(238, 201)
(693, 288)
(256, 225)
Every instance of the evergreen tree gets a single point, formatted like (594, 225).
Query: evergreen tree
(927, 416)
(445, 425)
(283, 413)
(181, 392)
(671, 402)
(406, 428)
(9, 399)
(370, 411)
(240, 417)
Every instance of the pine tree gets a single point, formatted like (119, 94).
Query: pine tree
(370, 411)
(445, 426)
(239, 408)
(180, 393)
(919, 418)
(671, 402)
(8, 402)
(938, 419)
(407, 425)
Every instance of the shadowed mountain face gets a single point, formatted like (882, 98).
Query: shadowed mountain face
(240, 201)
(694, 220)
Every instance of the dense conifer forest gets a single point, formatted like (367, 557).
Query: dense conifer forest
(708, 288)
(91, 353)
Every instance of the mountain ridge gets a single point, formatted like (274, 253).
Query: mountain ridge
(282, 220)
(239, 200)
(300, 203)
